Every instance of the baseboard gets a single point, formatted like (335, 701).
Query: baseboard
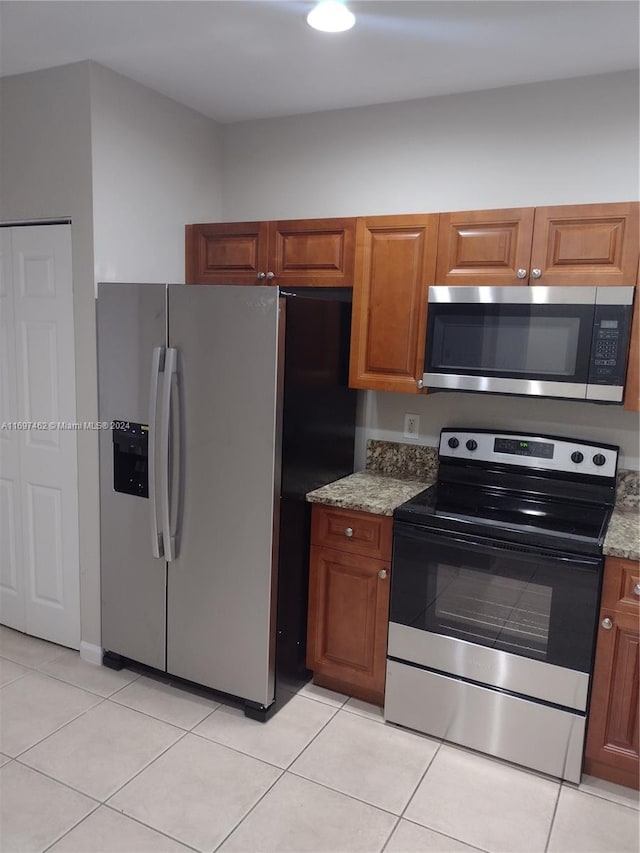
(90, 653)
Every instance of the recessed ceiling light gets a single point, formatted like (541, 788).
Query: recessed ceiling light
(331, 16)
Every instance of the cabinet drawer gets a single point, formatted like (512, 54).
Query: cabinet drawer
(621, 588)
(354, 532)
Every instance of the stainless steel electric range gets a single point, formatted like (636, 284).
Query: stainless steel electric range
(495, 589)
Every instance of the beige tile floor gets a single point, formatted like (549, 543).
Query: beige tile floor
(97, 761)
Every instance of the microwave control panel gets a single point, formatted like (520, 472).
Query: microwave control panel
(609, 345)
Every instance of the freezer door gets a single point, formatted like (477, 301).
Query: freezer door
(224, 488)
(131, 323)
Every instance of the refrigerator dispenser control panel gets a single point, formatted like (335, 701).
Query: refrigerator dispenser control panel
(130, 458)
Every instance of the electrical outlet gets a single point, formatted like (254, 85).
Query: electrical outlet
(411, 426)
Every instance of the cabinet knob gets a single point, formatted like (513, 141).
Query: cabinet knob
(261, 276)
(271, 276)
(536, 273)
(636, 589)
(348, 532)
(419, 383)
(607, 623)
(521, 273)
(382, 574)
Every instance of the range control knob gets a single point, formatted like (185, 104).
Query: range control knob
(453, 442)
(576, 456)
(472, 444)
(599, 459)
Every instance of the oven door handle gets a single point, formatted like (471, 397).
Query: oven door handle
(446, 538)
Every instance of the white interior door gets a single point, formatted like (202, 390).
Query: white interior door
(47, 512)
(12, 600)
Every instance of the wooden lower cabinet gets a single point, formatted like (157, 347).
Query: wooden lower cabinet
(349, 602)
(612, 748)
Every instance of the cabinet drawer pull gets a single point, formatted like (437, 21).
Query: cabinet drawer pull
(521, 273)
(536, 273)
(348, 532)
(382, 574)
(636, 589)
(607, 623)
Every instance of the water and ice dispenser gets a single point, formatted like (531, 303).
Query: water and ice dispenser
(130, 458)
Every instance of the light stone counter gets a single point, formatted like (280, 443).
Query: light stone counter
(368, 491)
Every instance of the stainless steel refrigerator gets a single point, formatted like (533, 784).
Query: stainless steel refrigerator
(224, 405)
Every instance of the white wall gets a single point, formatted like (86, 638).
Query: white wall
(130, 168)
(563, 142)
(567, 141)
(156, 167)
(45, 172)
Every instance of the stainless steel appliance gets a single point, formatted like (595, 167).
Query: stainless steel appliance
(224, 406)
(496, 577)
(568, 342)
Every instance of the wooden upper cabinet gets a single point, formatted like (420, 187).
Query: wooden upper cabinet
(478, 247)
(632, 385)
(590, 244)
(226, 253)
(297, 253)
(313, 252)
(395, 264)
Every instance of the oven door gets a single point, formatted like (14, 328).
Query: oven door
(516, 618)
(513, 340)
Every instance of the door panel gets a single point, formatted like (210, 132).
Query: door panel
(226, 253)
(478, 247)
(131, 322)
(221, 586)
(45, 358)
(12, 612)
(395, 264)
(586, 244)
(313, 252)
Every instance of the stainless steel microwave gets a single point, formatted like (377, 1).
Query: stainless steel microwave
(569, 342)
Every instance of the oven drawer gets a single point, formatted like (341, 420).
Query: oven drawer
(355, 532)
(528, 733)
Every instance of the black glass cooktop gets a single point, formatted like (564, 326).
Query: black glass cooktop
(516, 517)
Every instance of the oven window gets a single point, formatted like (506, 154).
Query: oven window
(514, 599)
(548, 342)
(502, 612)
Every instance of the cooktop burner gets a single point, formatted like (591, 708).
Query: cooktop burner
(541, 490)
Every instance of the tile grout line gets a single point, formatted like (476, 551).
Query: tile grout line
(553, 817)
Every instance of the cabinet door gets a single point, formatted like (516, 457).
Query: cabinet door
(477, 247)
(227, 253)
(312, 252)
(590, 244)
(348, 622)
(612, 737)
(395, 264)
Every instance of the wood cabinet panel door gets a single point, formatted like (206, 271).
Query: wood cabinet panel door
(590, 244)
(227, 253)
(612, 738)
(478, 247)
(395, 264)
(348, 620)
(312, 252)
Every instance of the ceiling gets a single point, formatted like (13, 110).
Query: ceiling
(241, 60)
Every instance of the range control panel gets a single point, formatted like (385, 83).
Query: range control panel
(546, 452)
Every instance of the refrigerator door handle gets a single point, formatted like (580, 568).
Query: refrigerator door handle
(157, 357)
(170, 364)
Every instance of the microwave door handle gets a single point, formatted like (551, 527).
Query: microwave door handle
(165, 422)
(157, 358)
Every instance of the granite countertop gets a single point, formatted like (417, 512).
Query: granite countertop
(368, 491)
(396, 472)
